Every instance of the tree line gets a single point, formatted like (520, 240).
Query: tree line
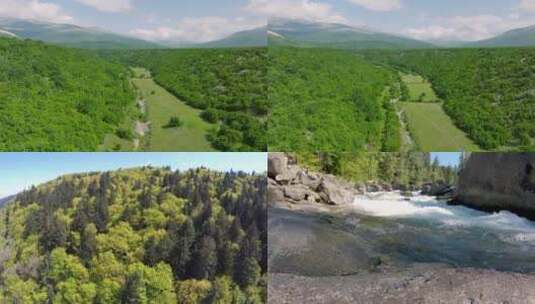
(407, 170)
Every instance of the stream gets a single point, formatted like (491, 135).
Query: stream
(387, 229)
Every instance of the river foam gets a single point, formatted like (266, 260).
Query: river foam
(510, 226)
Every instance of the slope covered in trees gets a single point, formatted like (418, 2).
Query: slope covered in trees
(330, 100)
(408, 169)
(229, 85)
(489, 93)
(146, 235)
(58, 99)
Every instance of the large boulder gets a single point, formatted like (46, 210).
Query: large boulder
(499, 181)
(277, 164)
(335, 192)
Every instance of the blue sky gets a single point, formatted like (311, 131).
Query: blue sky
(204, 20)
(21, 170)
(447, 158)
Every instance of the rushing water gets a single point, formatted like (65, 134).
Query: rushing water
(422, 229)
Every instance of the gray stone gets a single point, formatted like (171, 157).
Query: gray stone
(334, 193)
(277, 164)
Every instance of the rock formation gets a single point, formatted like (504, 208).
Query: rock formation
(499, 181)
(292, 184)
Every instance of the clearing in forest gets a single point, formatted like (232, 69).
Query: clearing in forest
(158, 106)
(419, 89)
(161, 107)
(433, 129)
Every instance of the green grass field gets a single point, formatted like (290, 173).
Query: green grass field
(433, 129)
(419, 88)
(161, 106)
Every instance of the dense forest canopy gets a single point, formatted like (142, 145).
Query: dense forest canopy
(489, 93)
(58, 99)
(146, 235)
(229, 85)
(402, 170)
(330, 100)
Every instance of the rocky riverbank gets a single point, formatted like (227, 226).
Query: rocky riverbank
(291, 184)
(333, 241)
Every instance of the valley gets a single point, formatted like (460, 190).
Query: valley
(161, 106)
(483, 96)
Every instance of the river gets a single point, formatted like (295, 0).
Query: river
(389, 229)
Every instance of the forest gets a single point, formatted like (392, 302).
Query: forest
(330, 100)
(142, 235)
(488, 93)
(58, 99)
(229, 85)
(402, 169)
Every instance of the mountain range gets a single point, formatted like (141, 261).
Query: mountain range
(319, 34)
(95, 38)
(286, 32)
(301, 33)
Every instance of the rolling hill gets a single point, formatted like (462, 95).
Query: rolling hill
(517, 37)
(335, 35)
(70, 35)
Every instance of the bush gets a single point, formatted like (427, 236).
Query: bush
(125, 134)
(210, 115)
(174, 122)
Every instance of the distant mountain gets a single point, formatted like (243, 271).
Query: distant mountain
(250, 38)
(518, 37)
(71, 35)
(4, 33)
(5, 200)
(319, 34)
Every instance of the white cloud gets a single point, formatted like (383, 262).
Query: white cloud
(33, 9)
(527, 6)
(199, 29)
(294, 9)
(379, 5)
(113, 6)
(467, 28)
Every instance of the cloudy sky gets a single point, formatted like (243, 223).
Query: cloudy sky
(204, 20)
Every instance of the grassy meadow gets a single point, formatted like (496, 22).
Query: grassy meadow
(433, 130)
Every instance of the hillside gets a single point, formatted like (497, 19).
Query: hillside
(250, 38)
(330, 100)
(514, 38)
(228, 85)
(334, 35)
(145, 235)
(58, 99)
(71, 35)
